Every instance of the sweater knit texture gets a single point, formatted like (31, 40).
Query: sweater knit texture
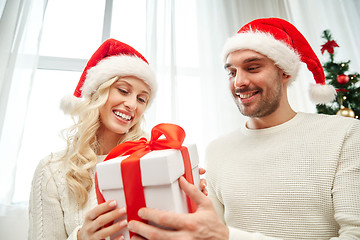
(53, 213)
(298, 180)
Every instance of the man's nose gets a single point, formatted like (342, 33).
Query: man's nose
(240, 80)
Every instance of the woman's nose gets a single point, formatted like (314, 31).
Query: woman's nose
(131, 103)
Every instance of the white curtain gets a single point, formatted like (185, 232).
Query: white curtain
(20, 29)
(172, 50)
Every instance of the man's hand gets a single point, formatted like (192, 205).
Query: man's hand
(203, 224)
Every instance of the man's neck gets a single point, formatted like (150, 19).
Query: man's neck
(280, 116)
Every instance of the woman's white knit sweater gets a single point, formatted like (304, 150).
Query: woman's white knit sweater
(298, 180)
(53, 213)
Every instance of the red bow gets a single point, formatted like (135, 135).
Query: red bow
(130, 167)
(341, 90)
(329, 46)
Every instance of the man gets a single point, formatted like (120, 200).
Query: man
(284, 175)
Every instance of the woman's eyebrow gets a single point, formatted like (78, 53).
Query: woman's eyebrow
(145, 92)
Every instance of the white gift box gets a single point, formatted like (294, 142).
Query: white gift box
(160, 171)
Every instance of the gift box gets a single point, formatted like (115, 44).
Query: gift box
(160, 171)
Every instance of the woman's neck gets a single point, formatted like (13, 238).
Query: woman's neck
(107, 141)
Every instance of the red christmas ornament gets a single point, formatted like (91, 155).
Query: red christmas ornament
(342, 79)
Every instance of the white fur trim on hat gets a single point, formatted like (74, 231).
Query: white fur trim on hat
(68, 103)
(322, 94)
(120, 65)
(284, 56)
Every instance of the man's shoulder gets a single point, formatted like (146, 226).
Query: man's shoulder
(225, 138)
(330, 120)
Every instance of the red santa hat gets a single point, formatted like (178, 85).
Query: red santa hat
(280, 41)
(113, 58)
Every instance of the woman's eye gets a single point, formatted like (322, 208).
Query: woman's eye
(123, 91)
(142, 100)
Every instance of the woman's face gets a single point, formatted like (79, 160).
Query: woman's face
(127, 101)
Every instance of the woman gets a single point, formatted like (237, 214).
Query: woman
(114, 90)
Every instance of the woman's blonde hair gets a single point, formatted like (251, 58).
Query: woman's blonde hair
(82, 144)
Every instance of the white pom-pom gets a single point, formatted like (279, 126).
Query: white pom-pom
(68, 103)
(321, 94)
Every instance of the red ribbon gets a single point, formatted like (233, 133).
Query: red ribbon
(130, 167)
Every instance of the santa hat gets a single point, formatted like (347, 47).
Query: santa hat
(280, 41)
(113, 58)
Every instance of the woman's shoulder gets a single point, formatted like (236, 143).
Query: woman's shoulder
(53, 159)
(52, 165)
(49, 180)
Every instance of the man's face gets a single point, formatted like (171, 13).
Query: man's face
(255, 81)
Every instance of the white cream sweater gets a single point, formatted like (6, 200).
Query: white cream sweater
(298, 180)
(53, 214)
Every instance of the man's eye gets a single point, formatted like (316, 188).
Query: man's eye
(253, 68)
(231, 74)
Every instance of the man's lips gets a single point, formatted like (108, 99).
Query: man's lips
(246, 96)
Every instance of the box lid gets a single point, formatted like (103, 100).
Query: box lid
(157, 168)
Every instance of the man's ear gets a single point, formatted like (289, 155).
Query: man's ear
(285, 77)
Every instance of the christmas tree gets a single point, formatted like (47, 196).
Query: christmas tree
(347, 102)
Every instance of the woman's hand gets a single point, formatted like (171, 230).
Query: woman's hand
(203, 182)
(96, 222)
